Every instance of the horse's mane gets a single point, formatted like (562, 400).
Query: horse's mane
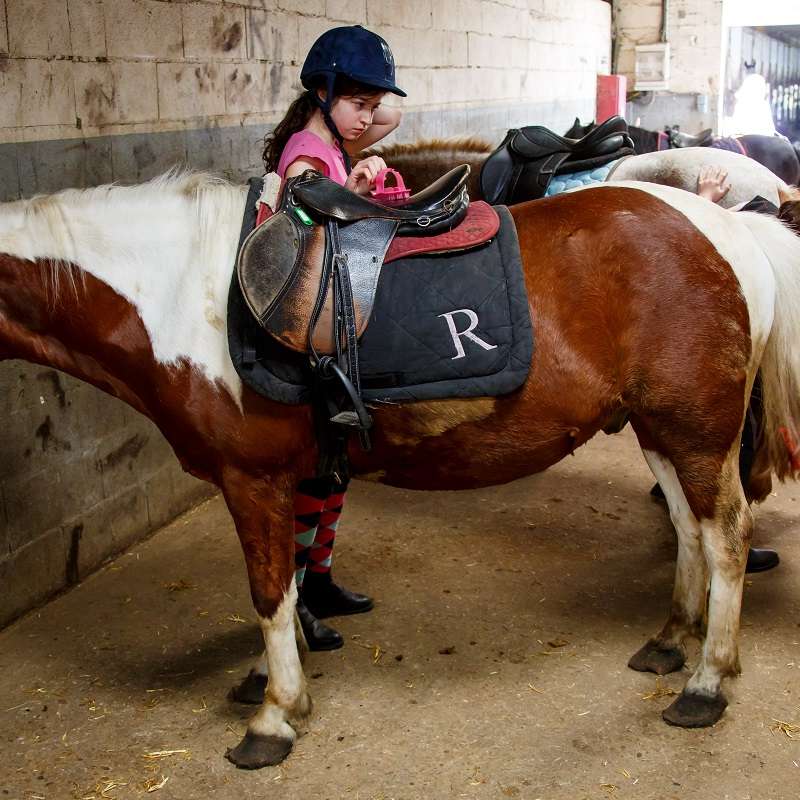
(40, 225)
(469, 144)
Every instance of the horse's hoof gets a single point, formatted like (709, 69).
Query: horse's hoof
(254, 752)
(654, 658)
(251, 690)
(695, 710)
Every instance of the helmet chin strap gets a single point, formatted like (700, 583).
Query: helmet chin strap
(325, 107)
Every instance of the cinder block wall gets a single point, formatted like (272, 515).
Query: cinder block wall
(694, 32)
(98, 90)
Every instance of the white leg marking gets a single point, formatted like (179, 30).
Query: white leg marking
(689, 594)
(261, 667)
(286, 697)
(725, 541)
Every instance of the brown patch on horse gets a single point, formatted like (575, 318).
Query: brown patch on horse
(789, 212)
(656, 325)
(423, 162)
(468, 144)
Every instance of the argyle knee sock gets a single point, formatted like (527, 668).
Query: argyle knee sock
(309, 503)
(321, 553)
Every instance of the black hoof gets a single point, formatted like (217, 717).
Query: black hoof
(251, 690)
(695, 710)
(254, 752)
(761, 559)
(653, 658)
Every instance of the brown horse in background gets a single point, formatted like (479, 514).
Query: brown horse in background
(648, 304)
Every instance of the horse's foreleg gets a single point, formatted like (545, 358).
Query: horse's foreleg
(262, 509)
(725, 540)
(253, 687)
(666, 652)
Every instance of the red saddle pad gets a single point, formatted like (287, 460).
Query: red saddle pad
(480, 224)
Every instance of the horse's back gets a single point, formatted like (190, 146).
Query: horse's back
(680, 168)
(628, 285)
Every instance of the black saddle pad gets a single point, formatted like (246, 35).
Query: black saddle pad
(442, 326)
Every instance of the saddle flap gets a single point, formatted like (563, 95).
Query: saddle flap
(268, 260)
(496, 172)
(279, 270)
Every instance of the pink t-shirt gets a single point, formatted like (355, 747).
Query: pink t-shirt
(308, 144)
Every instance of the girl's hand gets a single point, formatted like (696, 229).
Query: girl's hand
(711, 183)
(362, 176)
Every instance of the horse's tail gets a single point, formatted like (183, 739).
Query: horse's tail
(780, 363)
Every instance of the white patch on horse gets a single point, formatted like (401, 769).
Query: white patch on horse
(167, 246)
(691, 574)
(730, 235)
(680, 168)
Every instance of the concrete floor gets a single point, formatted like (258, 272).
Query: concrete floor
(492, 667)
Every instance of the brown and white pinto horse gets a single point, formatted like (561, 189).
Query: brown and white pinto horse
(648, 304)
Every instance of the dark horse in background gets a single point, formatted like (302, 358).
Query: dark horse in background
(776, 153)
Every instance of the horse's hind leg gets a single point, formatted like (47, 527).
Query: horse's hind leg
(725, 537)
(666, 652)
(262, 509)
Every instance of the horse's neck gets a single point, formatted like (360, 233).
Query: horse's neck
(161, 252)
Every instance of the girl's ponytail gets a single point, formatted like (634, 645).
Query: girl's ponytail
(296, 118)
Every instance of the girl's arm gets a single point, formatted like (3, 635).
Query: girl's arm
(300, 165)
(384, 121)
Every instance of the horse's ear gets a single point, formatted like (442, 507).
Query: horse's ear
(577, 122)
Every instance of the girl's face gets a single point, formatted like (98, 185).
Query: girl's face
(352, 114)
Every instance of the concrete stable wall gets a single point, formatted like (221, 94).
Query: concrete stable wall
(695, 34)
(98, 90)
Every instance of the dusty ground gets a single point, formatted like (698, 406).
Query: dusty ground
(537, 592)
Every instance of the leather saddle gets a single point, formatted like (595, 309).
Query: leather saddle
(678, 139)
(527, 159)
(286, 265)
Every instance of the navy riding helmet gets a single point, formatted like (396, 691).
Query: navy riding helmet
(355, 53)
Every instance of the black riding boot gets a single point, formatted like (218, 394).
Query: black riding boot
(318, 635)
(324, 598)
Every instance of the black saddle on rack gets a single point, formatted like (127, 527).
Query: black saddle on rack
(527, 159)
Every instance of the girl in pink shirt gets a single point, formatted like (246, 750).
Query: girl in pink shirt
(346, 74)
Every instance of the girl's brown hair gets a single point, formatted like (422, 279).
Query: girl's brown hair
(299, 114)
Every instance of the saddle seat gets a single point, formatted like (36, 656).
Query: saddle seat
(535, 140)
(314, 264)
(679, 139)
(528, 158)
(437, 208)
